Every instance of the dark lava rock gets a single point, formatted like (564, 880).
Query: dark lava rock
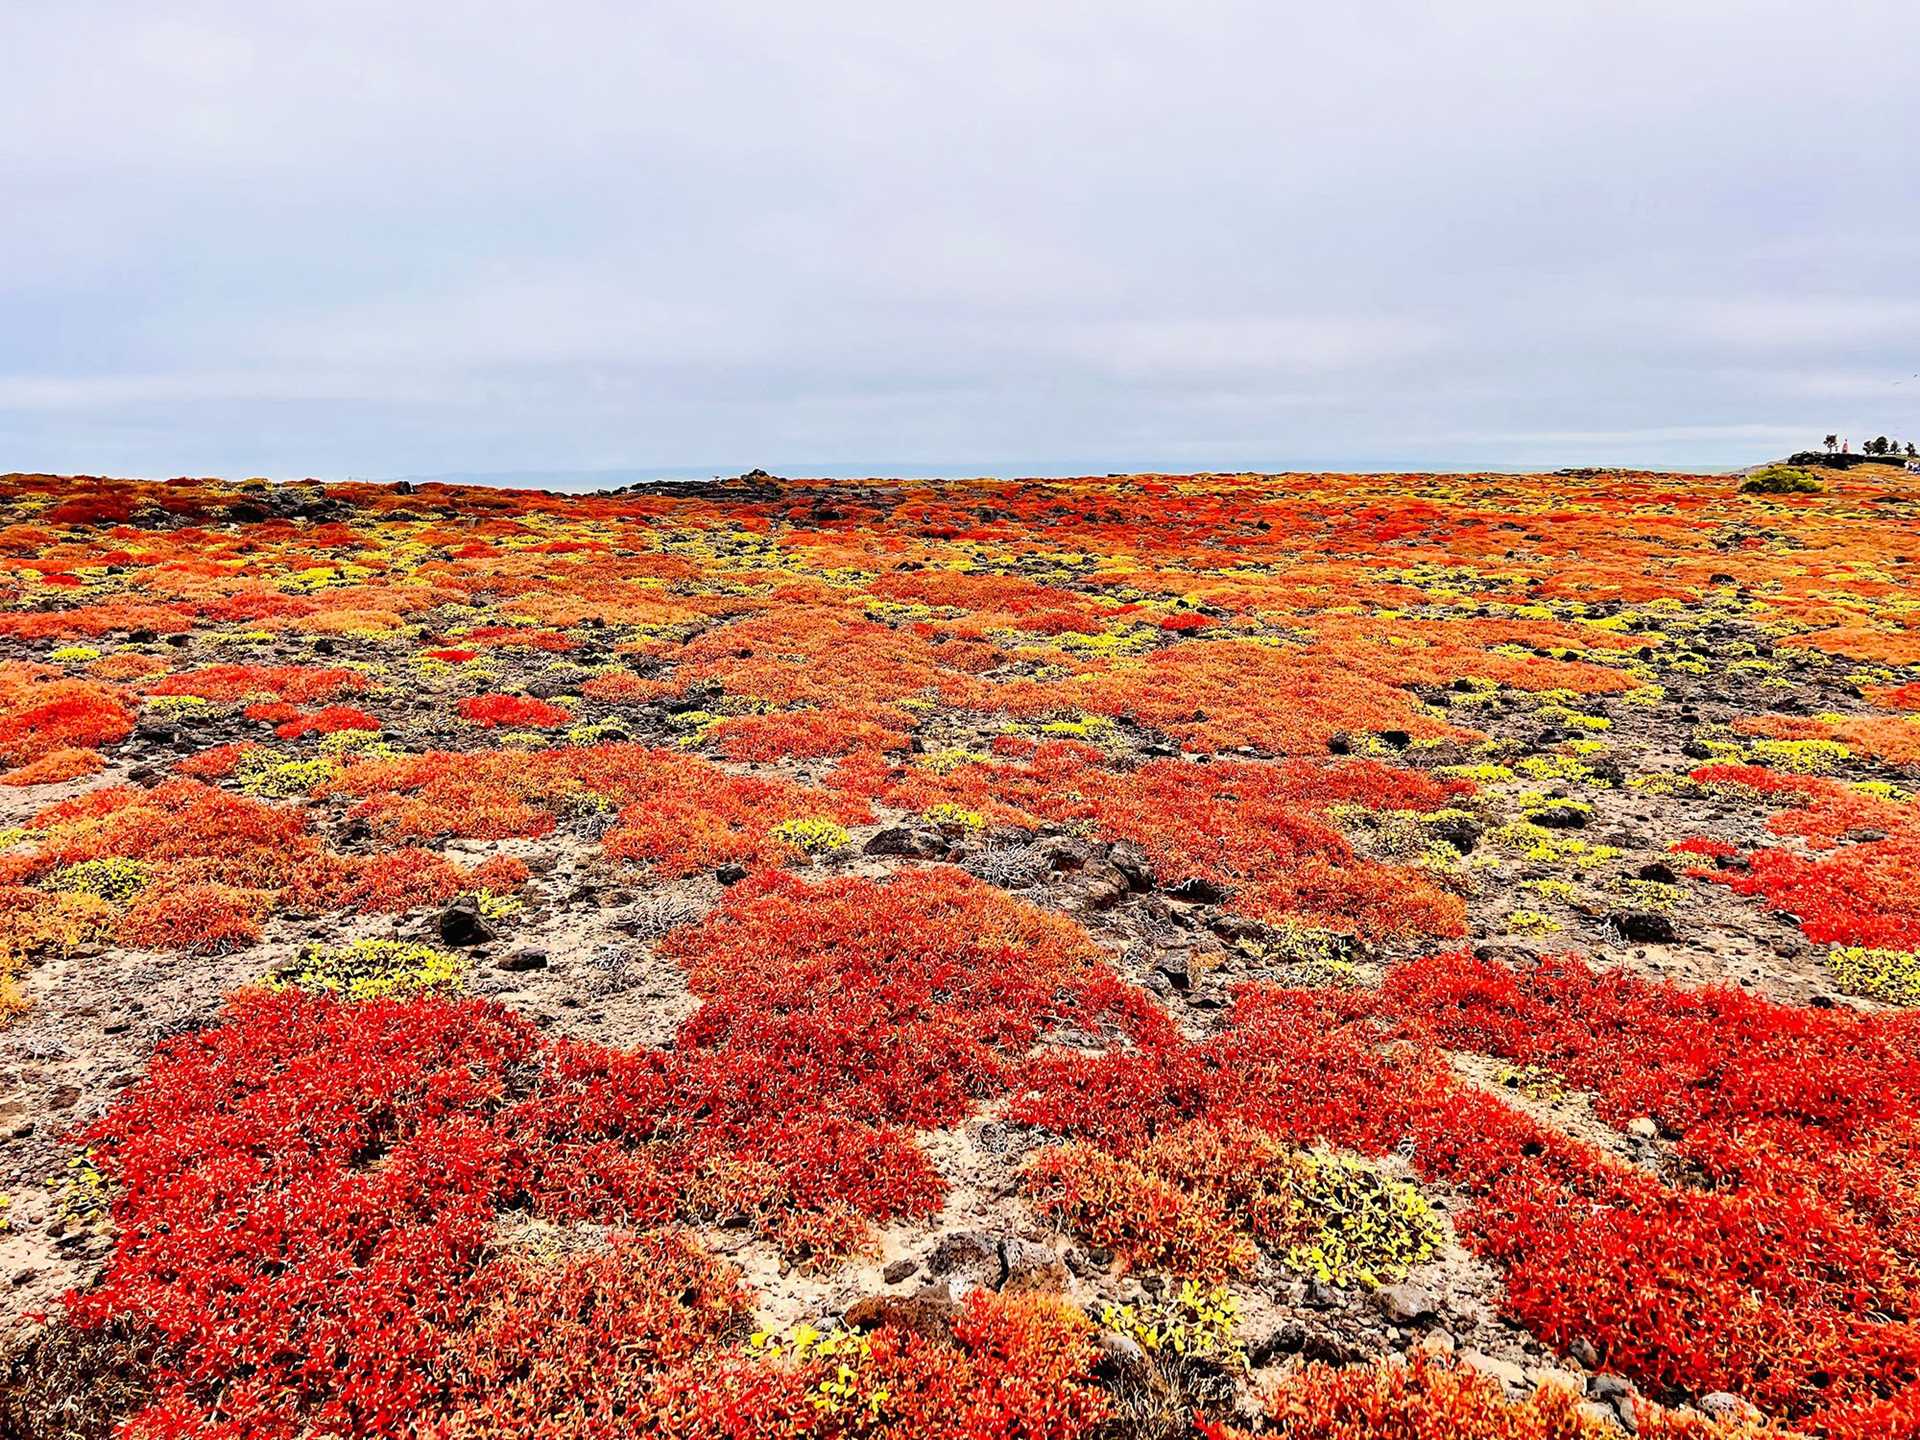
(1238, 927)
(730, 874)
(517, 960)
(973, 1254)
(1609, 1387)
(1133, 865)
(1063, 854)
(1289, 1337)
(461, 924)
(902, 840)
(1463, 832)
(1203, 892)
(1026, 1268)
(926, 1315)
(1659, 871)
(1644, 926)
(1105, 887)
(1560, 817)
(1608, 770)
(1174, 970)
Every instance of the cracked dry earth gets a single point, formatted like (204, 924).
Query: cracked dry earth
(1131, 956)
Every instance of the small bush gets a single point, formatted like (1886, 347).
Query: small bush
(1781, 480)
(1193, 1323)
(196, 918)
(948, 813)
(55, 767)
(1889, 975)
(1193, 1202)
(114, 879)
(1367, 1227)
(811, 835)
(377, 969)
(260, 773)
(488, 711)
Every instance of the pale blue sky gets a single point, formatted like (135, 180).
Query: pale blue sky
(386, 239)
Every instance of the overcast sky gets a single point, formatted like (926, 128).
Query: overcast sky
(421, 238)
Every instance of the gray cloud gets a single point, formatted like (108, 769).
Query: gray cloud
(376, 240)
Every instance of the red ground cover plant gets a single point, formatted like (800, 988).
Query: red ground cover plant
(812, 734)
(1014, 1367)
(1258, 832)
(213, 866)
(54, 767)
(282, 1112)
(330, 720)
(51, 728)
(1217, 694)
(675, 812)
(1801, 1121)
(513, 711)
(1431, 1400)
(378, 1140)
(591, 1344)
(296, 684)
(301, 1091)
(1254, 829)
(1157, 1209)
(838, 1018)
(1858, 893)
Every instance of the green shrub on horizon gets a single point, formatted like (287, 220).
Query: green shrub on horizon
(1781, 480)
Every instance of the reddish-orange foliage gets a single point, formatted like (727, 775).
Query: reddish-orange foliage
(297, 684)
(40, 713)
(812, 734)
(1433, 1400)
(674, 811)
(1257, 831)
(1862, 893)
(1015, 1368)
(328, 721)
(55, 766)
(488, 711)
(220, 863)
(1253, 828)
(1802, 1121)
(785, 1100)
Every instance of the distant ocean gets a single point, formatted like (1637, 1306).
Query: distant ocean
(580, 482)
(572, 482)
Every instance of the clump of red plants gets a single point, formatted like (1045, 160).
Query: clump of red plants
(381, 1140)
(1800, 1121)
